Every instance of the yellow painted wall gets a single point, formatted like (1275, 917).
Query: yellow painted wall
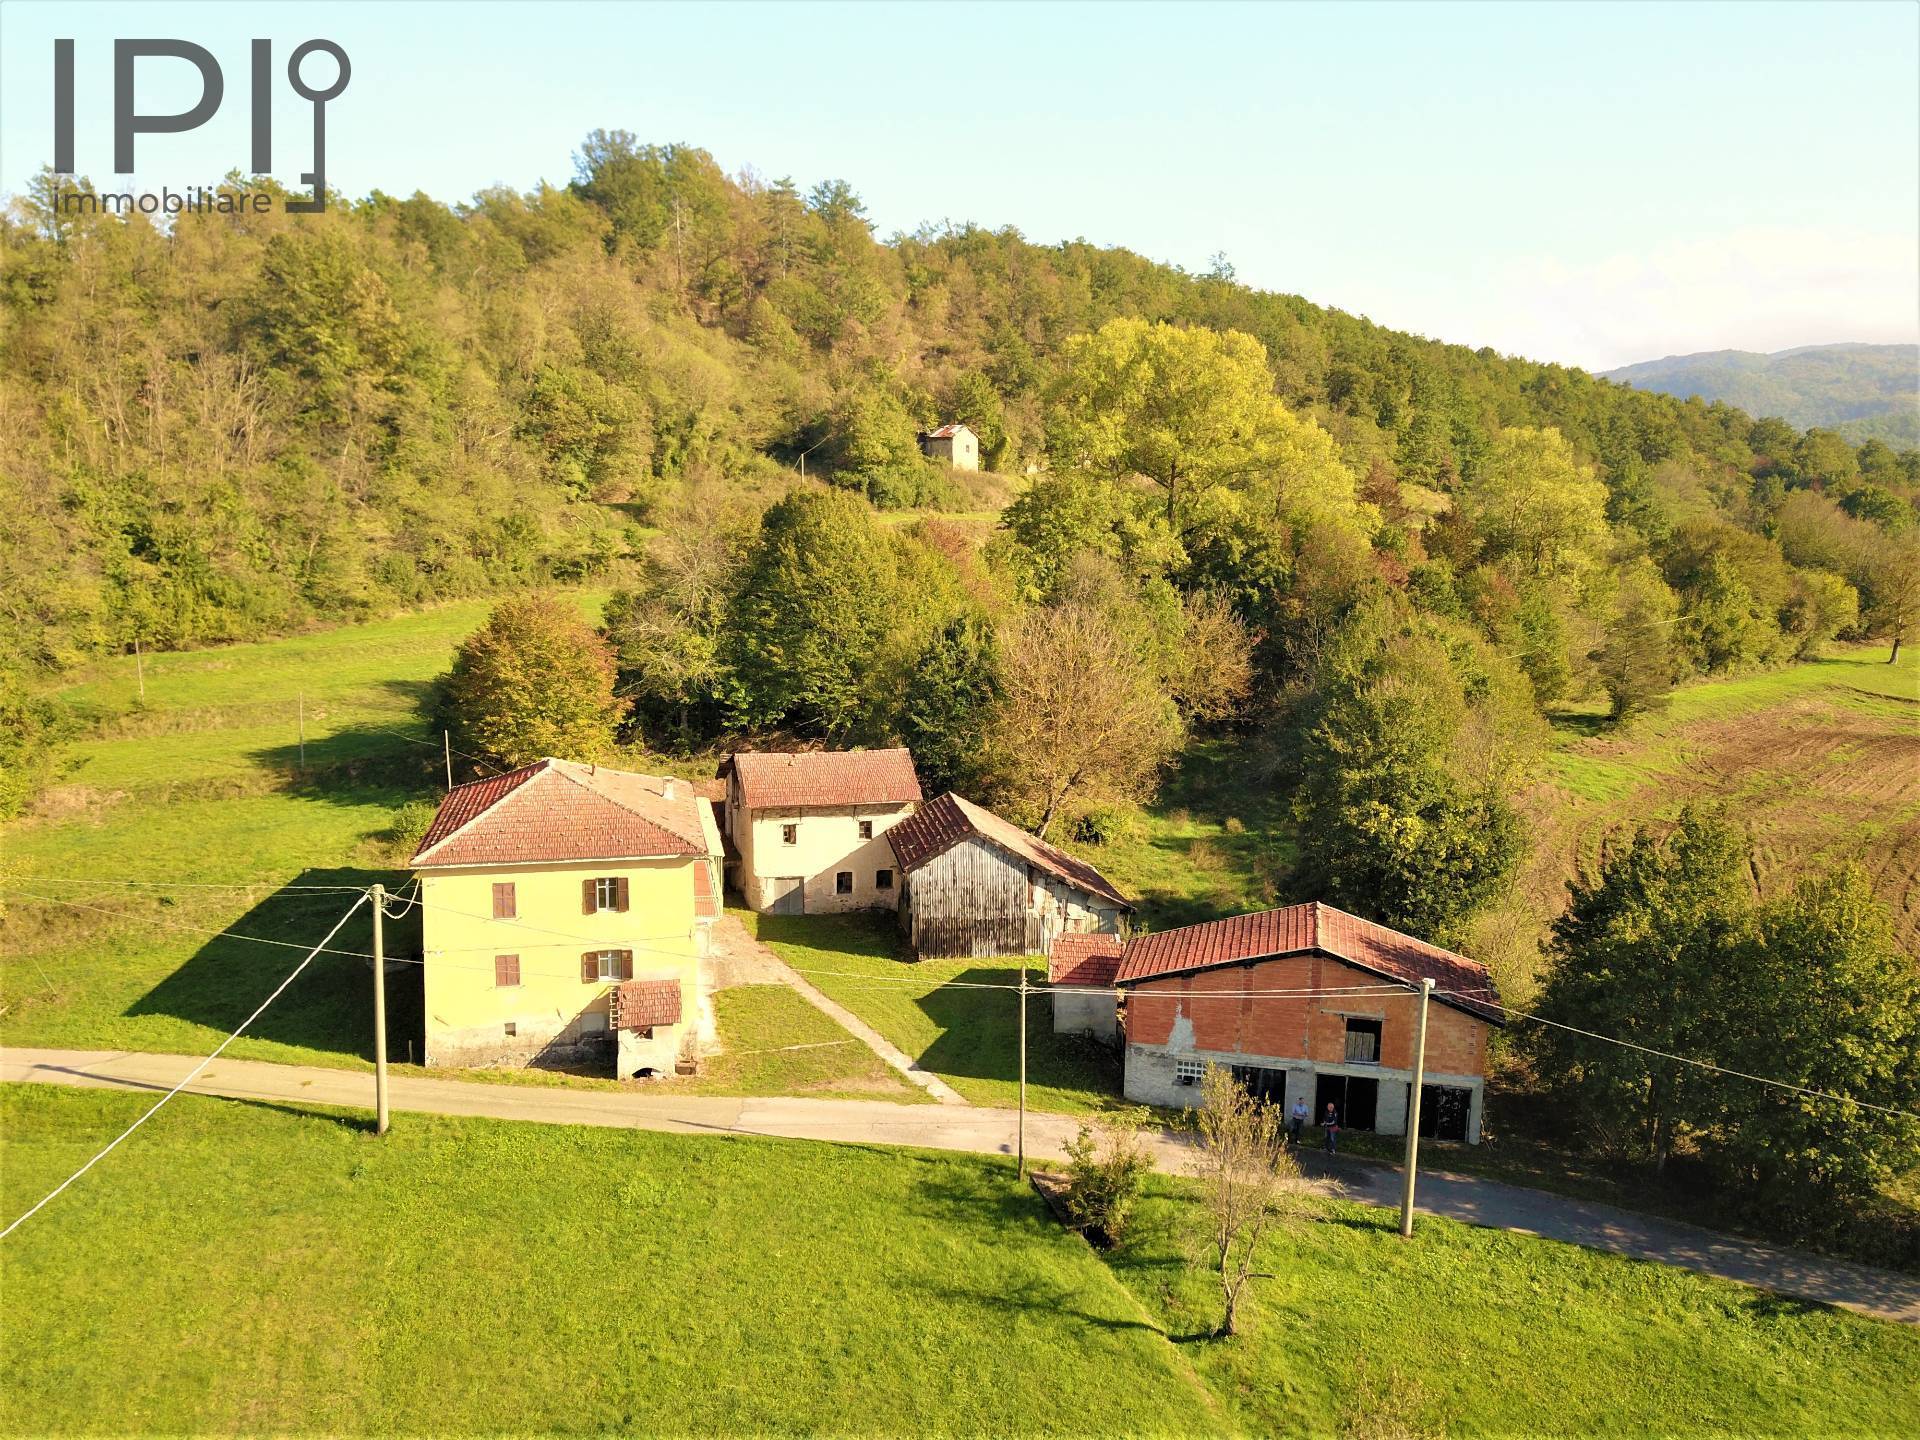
(467, 1014)
(826, 842)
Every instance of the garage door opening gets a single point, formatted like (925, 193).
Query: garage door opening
(1356, 1100)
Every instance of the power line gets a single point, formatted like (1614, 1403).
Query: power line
(182, 884)
(191, 1076)
(1702, 1064)
(213, 934)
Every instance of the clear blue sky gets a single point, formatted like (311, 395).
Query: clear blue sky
(1595, 184)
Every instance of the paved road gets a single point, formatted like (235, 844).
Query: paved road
(743, 960)
(1791, 1273)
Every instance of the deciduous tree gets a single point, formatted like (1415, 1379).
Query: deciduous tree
(1249, 1184)
(1403, 808)
(535, 680)
(1079, 718)
(1646, 954)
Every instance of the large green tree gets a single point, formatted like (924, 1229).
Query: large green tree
(1819, 997)
(1643, 955)
(1191, 410)
(814, 616)
(535, 680)
(948, 704)
(1403, 805)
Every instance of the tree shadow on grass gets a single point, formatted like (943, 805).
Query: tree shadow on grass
(980, 1038)
(330, 1007)
(360, 765)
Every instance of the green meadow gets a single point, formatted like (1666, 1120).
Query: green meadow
(243, 1268)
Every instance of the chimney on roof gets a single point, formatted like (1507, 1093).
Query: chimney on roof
(671, 789)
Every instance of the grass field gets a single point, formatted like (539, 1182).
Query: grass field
(253, 1269)
(968, 1037)
(199, 789)
(243, 1268)
(1820, 761)
(773, 1042)
(1215, 842)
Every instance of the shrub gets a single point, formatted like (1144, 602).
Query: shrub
(1108, 1165)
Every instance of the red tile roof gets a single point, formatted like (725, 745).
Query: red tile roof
(823, 777)
(941, 824)
(556, 810)
(1085, 959)
(706, 904)
(946, 432)
(638, 1004)
(1458, 981)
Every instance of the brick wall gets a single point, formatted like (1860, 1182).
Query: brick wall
(1220, 1011)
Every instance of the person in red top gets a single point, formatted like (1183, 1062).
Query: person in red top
(1330, 1129)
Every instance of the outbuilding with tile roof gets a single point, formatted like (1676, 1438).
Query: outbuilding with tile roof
(974, 884)
(1309, 1004)
(1080, 971)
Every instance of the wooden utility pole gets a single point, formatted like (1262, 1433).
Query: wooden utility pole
(379, 897)
(1413, 1112)
(446, 739)
(1022, 1141)
(302, 703)
(139, 667)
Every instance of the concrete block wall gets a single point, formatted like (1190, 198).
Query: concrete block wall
(1086, 1014)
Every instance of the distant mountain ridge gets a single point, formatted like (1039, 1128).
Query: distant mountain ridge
(1863, 391)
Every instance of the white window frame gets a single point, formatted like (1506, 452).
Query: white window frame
(609, 965)
(606, 892)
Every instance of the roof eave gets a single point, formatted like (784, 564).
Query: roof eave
(1464, 1007)
(563, 860)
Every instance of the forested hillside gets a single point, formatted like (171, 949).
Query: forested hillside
(247, 422)
(1862, 391)
(1229, 506)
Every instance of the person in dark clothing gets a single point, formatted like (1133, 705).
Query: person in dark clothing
(1330, 1129)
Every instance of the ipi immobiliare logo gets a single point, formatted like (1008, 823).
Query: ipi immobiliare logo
(129, 122)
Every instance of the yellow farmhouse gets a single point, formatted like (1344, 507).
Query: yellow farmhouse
(567, 911)
(807, 833)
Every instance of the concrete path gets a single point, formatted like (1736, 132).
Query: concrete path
(1877, 1293)
(743, 959)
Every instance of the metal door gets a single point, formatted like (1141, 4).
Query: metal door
(786, 895)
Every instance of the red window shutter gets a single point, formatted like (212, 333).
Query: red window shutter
(587, 905)
(620, 890)
(589, 967)
(626, 964)
(503, 908)
(506, 970)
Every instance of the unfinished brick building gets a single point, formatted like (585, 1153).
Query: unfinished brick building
(1308, 1002)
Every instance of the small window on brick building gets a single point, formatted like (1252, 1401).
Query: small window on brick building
(866, 829)
(1189, 1072)
(1363, 1042)
(843, 882)
(503, 906)
(789, 834)
(883, 879)
(506, 970)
